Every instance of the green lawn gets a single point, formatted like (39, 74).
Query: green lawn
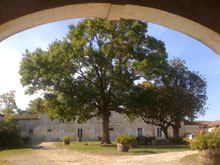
(96, 148)
(190, 159)
(12, 152)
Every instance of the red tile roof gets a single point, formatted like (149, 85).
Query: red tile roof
(196, 122)
(27, 117)
(214, 123)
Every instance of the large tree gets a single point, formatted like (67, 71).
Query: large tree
(92, 71)
(179, 94)
(188, 91)
(151, 103)
(7, 103)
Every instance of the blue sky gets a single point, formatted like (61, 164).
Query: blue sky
(198, 57)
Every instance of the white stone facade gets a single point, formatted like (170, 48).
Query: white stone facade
(42, 129)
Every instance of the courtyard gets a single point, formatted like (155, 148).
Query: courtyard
(55, 153)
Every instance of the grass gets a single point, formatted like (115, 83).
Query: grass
(4, 162)
(95, 147)
(12, 152)
(190, 159)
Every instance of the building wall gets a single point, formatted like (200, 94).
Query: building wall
(46, 130)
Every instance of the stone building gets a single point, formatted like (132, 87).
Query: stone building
(191, 127)
(40, 128)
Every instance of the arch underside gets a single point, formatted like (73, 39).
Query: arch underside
(114, 12)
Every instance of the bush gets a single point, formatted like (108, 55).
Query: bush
(9, 133)
(126, 140)
(177, 140)
(26, 140)
(142, 140)
(66, 139)
(99, 138)
(206, 140)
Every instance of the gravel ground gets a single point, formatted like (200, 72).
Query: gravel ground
(50, 154)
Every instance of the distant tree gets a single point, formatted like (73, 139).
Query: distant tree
(179, 95)
(8, 103)
(91, 72)
(35, 106)
(188, 93)
(20, 111)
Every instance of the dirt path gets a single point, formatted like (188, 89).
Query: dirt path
(49, 154)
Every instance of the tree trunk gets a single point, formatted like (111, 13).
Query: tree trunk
(165, 131)
(176, 128)
(105, 136)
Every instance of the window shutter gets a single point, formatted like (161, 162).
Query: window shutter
(136, 132)
(143, 132)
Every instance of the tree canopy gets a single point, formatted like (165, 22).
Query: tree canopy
(7, 103)
(36, 106)
(92, 71)
(180, 95)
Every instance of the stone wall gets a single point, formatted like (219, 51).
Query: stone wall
(45, 130)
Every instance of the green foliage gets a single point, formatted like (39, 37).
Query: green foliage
(36, 106)
(206, 140)
(9, 133)
(176, 95)
(66, 139)
(126, 140)
(177, 140)
(142, 140)
(7, 103)
(26, 140)
(92, 71)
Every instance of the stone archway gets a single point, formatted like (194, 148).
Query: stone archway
(195, 18)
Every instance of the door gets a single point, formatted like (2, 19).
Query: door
(49, 131)
(112, 135)
(92, 134)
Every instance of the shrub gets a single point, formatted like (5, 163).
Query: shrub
(206, 140)
(99, 138)
(26, 140)
(126, 140)
(177, 140)
(142, 140)
(9, 133)
(66, 140)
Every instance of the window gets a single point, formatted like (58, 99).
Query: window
(111, 129)
(92, 120)
(139, 131)
(80, 133)
(159, 132)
